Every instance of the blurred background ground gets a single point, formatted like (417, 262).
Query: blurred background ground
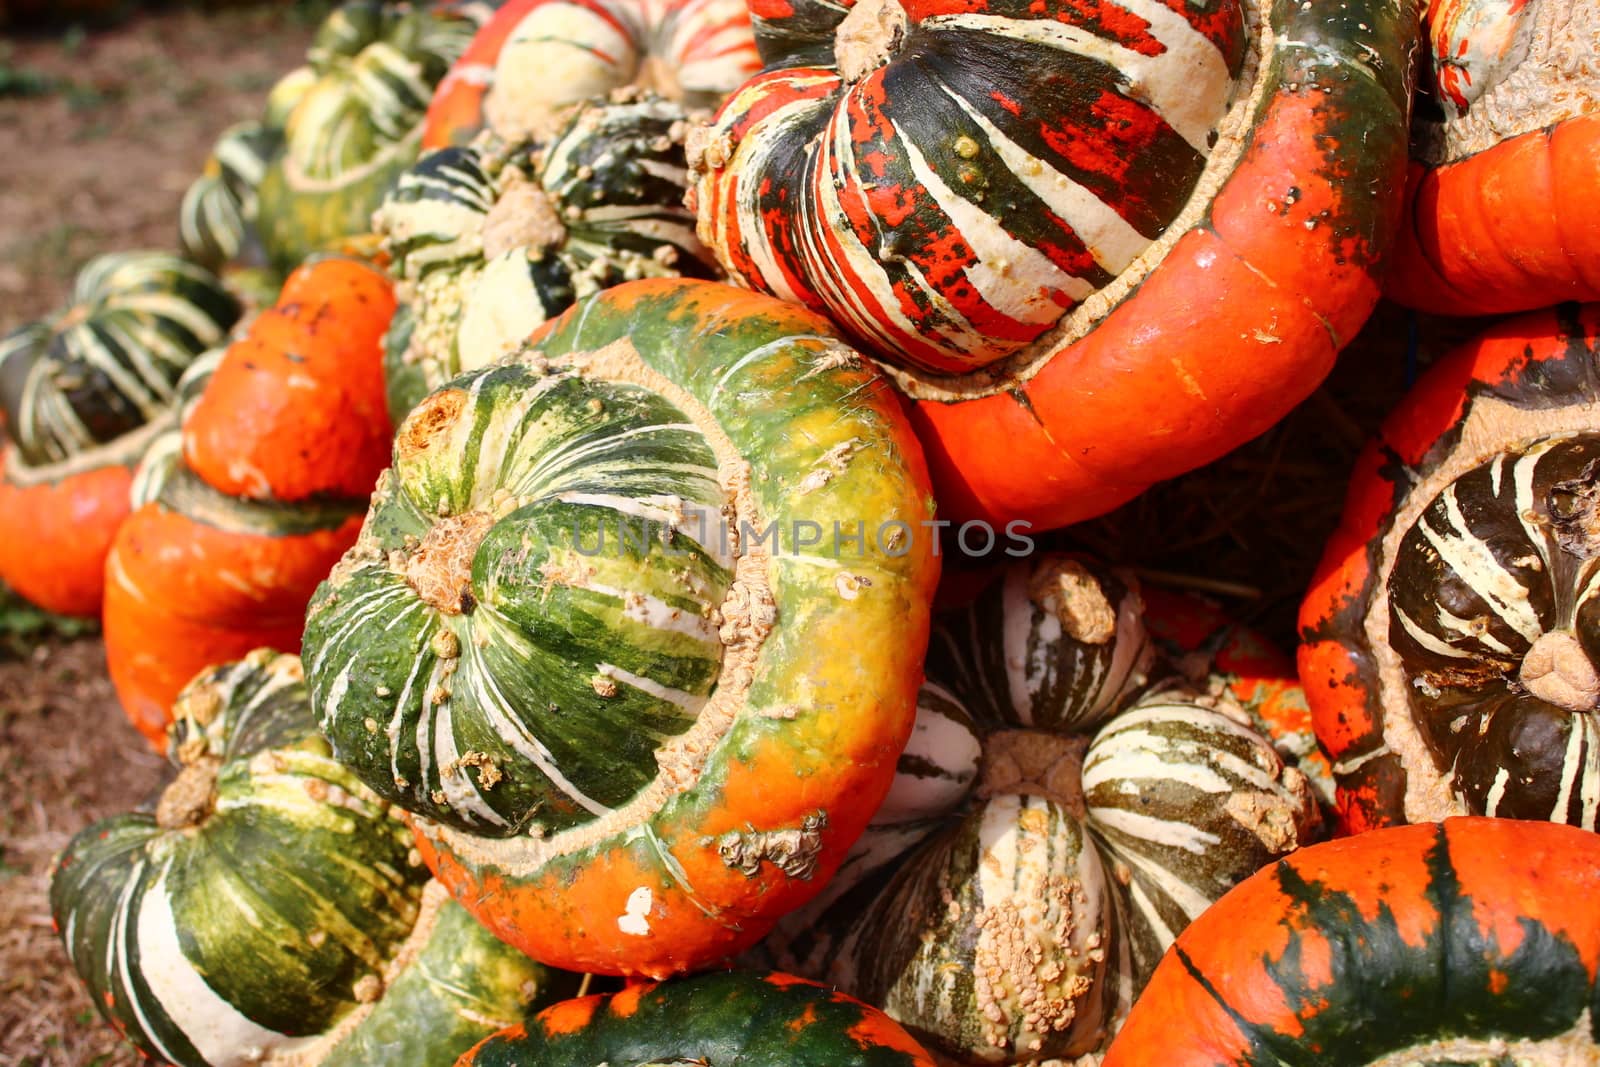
(100, 132)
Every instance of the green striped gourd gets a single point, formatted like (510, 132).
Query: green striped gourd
(585, 617)
(106, 365)
(217, 219)
(271, 909)
(487, 241)
(216, 222)
(82, 393)
(1060, 821)
(357, 126)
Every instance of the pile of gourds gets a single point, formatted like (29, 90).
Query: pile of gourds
(524, 607)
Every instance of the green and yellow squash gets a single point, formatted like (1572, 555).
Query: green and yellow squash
(603, 637)
(82, 393)
(271, 909)
(356, 122)
(1056, 821)
(733, 1018)
(486, 243)
(1472, 941)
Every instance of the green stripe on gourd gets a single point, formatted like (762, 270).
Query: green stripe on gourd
(108, 364)
(216, 222)
(538, 535)
(725, 1019)
(1022, 924)
(352, 132)
(483, 660)
(1188, 800)
(489, 242)
(456, 984)
(269, 906)
(192, 931)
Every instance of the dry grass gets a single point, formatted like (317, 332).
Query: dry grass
(67, 757)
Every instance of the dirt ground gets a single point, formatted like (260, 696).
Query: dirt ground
(100, 133)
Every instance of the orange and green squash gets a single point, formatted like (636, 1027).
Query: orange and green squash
(241, 513)
(603, 638)
(733, 1018)
(1450, 636)
(271, 910)
(1473, 941)
(82, 393)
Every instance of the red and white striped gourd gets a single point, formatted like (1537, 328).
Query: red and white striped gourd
(1451, 636)
(1055, 822)
(1100, 243)
(1507, 145)
(536, 58)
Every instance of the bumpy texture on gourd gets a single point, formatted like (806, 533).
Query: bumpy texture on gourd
(1451, 635)
(594, 638)
(1055, 822)
(271, 909)
(487, 243)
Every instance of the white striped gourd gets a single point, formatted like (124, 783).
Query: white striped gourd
(1012, 919)
(488, 241)
(271, 909)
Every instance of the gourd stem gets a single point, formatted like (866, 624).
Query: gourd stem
(869, 35)
(192, 796)
(1558, 671)
(1031, 762)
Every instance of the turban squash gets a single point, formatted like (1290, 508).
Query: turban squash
(83, 392)
(271, 909)
(355, 121)
(603, 637)
(240, 516)
(1101, 243)
(1499, 201)
(1055, 821)
(1450, 637)
(487, 242)
(535, 58)
(734, 1018)
(1473, 941)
